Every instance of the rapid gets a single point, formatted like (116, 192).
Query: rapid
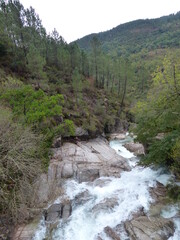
(110, 201)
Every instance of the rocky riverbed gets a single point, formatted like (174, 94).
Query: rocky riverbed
(94, 190)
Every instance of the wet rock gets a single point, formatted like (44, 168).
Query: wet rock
(53, 213)
(101, 182)
(159, 192)
(87, 175)
(111, 233)
(106, 205)
(117, 136)
(110, 172)
(156, 210)
(82, 198)
(136, 148)
(119, 164)
(139, 213)
(57, 211)
(149, 228)
(86, 160)
(67, 170)
(66, 211)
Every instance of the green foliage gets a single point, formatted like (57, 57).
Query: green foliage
(160, 114)
(132, 37)
(159, 151)
(66, 128)
(174, 192)
(77, 85)
(36, 63)
(35, 106)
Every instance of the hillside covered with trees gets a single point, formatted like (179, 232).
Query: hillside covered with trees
(133, 37)
(48, 88)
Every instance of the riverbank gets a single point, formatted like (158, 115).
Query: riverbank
(104, 195)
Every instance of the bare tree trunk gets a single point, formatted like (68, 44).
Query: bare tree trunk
(124, 92)
(112, 84)
(96, 72)
(175, 83)
(108, 77)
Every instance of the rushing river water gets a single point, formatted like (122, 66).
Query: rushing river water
(109, 202)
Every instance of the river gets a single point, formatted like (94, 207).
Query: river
(110, 201)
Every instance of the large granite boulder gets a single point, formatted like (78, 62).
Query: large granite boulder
(57, 211)
(82, 198)
(136, 148)
(86, 161)
(153, 228)
(87, 175)
(53, 213)
(159, 192)
(67, 170)
(66, 210)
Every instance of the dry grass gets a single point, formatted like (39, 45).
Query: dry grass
(19, 165)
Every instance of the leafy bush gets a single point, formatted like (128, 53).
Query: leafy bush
(35, 106)
(159, 113)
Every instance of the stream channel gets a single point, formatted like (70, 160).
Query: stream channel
(110, 201)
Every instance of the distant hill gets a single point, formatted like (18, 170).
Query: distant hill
(132, 37)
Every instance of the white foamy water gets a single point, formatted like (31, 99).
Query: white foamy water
(109, 203)
(172, 212)
(41, 231)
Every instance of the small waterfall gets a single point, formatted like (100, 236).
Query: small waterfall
(109, 201)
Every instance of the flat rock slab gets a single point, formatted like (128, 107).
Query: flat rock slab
(86, 161)
(25, 232)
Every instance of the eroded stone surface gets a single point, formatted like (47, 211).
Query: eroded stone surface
(82, 198)
(86, 161)
(117, 136)
(111, 233)
(25, 232)
(53, 213)
(106, 205)
(149, 228)
(136, 148)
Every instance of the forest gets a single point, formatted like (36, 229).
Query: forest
(48, 88)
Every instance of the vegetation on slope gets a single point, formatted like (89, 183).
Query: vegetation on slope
(158, 117)
(132, 37)
(48, 87)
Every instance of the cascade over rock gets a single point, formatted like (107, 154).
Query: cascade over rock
(84, 161)
(99, 196)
